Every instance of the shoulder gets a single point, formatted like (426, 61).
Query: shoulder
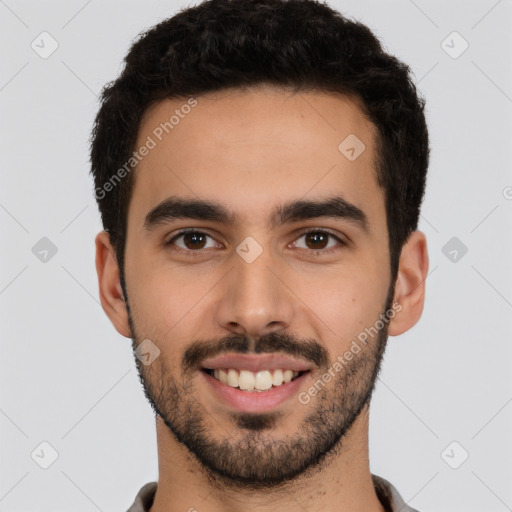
(389, 496)
(144, 499)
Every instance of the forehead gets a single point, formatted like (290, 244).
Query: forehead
(253, 149)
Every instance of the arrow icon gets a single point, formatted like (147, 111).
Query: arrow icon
(249, 249)
(44, 455)
(44, 44)
(454, 45)
(147, 352)
(454, 455)
(44, 250)
(454, 249)
(351, 147)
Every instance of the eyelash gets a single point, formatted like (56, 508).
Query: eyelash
(316, 252)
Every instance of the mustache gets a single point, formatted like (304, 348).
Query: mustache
(283, 343)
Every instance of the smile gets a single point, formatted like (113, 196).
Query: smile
(250, 381)
(254, 383)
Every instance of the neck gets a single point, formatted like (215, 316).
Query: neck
(342, 483)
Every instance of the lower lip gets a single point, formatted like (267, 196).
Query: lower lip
(254, 401)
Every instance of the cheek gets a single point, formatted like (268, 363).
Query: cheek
(165, 299)
(347, 303)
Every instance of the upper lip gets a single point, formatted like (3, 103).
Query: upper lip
(256, 362)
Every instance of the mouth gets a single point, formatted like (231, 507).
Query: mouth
(254, 383)
(249, 381)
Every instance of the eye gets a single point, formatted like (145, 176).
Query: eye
(193, 241)
(317, 241)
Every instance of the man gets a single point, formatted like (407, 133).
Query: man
(259, 167)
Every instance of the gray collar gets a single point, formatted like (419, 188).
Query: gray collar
(386, 492)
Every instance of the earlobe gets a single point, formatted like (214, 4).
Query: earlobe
(410, 283)
(111, 293)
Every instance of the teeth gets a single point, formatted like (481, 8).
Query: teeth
(263, 380)
(249, 381)
(246, 380)
(232, 378)
(223, 377)
(277, 378)
(287, 375)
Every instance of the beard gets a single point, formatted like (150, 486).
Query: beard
(250, 455)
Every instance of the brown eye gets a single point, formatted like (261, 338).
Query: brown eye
(192, 240)
(317, 241)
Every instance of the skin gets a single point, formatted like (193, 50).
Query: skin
(251, 150)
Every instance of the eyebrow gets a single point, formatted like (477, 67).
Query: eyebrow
(174, 208)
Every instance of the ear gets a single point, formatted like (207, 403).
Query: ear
(111, 293)
(410, 283)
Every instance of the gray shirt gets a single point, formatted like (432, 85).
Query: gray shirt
(387, 494)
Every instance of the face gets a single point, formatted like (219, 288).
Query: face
(256, 253)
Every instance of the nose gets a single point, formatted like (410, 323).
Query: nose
(254, 298)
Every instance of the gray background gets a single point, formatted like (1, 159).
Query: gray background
(68, 378)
